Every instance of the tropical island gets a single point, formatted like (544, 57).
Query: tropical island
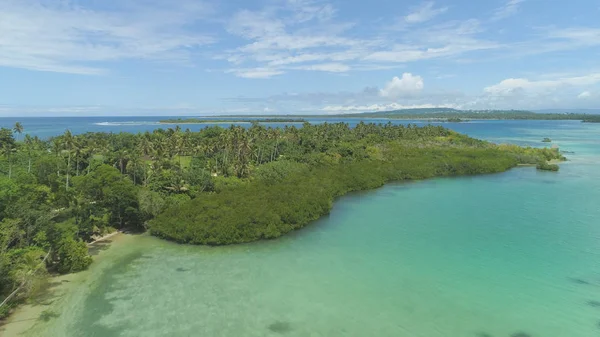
(227, 121)
(450, 114)
(447, 113)
(591, 119)
(217, 186)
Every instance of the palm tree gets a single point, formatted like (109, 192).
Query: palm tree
(122, 157)
(18, 129)
(7, 150)
(68, 143)
(7, 147)
(133, 164)
(78, 149)
(145, 146)
(57, 149)
(29, 147)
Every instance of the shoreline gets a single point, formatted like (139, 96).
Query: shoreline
(105, 237)
(29, 316)
(26, 316)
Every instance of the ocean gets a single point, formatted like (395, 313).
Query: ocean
(514, 254)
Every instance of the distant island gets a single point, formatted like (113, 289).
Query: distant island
(451, 115)
(592, 119)
(445, 113)
(224, 121)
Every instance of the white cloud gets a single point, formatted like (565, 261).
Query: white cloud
(510, 8)
(584, 95)
(513, 86)
(424, 13)
(327, 67)
(65, 36)
(277, 38)
(255, 72)
(409, 84)
(575, 36)
(380, 107)
(268, 29)
(443, 40)
(306, 10)
(407, 90)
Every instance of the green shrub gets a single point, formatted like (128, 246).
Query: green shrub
(545, 166)
(72, 255)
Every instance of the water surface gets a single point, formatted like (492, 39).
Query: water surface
(511, 254)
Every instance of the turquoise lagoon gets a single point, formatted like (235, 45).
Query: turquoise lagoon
(514, 254)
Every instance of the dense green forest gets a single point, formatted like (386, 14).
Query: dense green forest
(592, 119)
(217, 186)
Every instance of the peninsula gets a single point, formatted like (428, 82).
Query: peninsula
(217, 186)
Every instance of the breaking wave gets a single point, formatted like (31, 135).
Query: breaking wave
(126, 123)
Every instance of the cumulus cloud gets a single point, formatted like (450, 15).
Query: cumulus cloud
(584, 95)
(408, 84)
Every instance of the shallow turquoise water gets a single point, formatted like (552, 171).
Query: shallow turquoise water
(512, 254)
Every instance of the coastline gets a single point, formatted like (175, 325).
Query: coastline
(105, 237)
(38, 314)
(49, 303)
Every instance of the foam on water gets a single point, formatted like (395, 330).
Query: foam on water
(130, 123)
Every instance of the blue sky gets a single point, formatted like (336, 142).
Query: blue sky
(188, 57)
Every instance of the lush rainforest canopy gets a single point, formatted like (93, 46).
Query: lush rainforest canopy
(217, 186)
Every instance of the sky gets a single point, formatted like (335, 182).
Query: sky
(190, 57)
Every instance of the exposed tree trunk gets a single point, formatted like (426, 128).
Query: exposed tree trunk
(134, 174)
(68, 169)
(29, 167)
(24, 282)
